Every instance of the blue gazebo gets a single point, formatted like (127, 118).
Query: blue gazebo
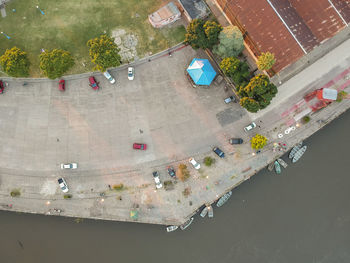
(201, 72)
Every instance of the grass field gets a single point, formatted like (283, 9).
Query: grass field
(69, 24)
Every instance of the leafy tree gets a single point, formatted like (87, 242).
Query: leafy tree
(212, 31)
(259, 91)
(258, 141)
(202, 35)
(230, 42)
(230, 65)
(235, 69)
(266, 61)
(15, 62)
(104, 53)
(55, 63)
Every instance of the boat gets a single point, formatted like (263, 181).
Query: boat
(299, 153)
(210, 212)
(223, 199)
(294, 150)
(277, 167)
(270, 166)
(171, 228)
(283, 163)
(186, 224)
(204, 211)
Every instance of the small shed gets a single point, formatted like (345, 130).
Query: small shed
(194, 9)
(201, 71)
(165, 15)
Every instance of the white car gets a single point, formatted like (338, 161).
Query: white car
(250, 127)
(131, 73)
(194, 163)
(69, 165)
(109, 77)
(157, 180)
(63, 185)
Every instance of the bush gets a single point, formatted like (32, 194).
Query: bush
(168, 185)
(208, 161)
(266, 61)
(15, 193)
(182, 173)
(67, 196)
(186, 192)
(235, 69)
(118, 187)
(15, 62)
(306, 119)
(341, 95)
(258, 141)
(53, 64)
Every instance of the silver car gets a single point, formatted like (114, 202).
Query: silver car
(196, 165)
(250, 127)
(109, 77)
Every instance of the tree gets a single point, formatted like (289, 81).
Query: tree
(15, 62)
(55, 63)
(230, 42)
(230, 65)
(266, 61)
(258, 141)
(104, 53)
(182, 173)
(259, 90)
(235, 69)
(202, 35)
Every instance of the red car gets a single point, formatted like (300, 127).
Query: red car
(2, 87)
(93, 83)
(139, 146)
(62, 85)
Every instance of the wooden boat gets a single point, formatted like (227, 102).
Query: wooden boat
(204, 211)
(171, 228)
(270, 166)
(224, 199)
(294, 150)
(283, 163)
(277, 167)
(210, 212)
(299, 153)
(186, 224)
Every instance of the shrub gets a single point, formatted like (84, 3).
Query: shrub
(187, 191)
(306, 119)
(182, 173)
(208, 161)
(15, 193)
(168, 185)
(118, 187)
(266, 61)
(67, 196)
(15, 62)
(55, 63)
(341, 95)
(258, 141)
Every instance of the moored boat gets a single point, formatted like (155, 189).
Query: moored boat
(171, 228)
(204, 211)
(210, 212)
(299, 153)
(277, 167)
(224, 199)
(270, 166)
(282, 162)
(186, 224)
(294, 150)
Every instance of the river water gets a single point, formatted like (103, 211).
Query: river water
(302, 215)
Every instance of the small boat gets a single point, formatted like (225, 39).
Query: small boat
(294, 150)
(204, 211)
(210, 212)
(277, 167)
(223, 199)
(299, 153)
(186, 224)
(283, 163)
(270, 166)
(171, 228)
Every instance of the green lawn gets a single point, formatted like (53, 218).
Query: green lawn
(69, 24)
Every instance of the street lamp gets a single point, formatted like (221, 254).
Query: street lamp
(48, 203)
(41, 11)
(5, 35)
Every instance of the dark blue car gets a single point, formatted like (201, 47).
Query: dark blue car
(220, 153)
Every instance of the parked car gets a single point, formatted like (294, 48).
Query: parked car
(2, 87)
(131, 73)
(109, 77)
(93, 83)
(139, 146)
(194, 163)
(157, 180)
(235, 141)
(62, 85)
(230, 99)
(250, 127)
(171, 172)
(63, 185)
(69, 165)
(218, 151)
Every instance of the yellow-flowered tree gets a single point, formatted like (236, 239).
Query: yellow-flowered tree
(258, 141)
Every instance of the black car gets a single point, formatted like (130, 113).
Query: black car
(171, 172)
(220, 153)
(235, 141)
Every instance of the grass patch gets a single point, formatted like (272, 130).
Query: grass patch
(208, 161)
(187, 191)
(67, 196)
(69, 25)
(168, 185)
(15, 193)
(118, 187)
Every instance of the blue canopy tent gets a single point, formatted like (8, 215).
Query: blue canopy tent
(201, 72)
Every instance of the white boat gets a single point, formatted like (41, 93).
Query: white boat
(171, 228)
(223, 199)
(283, 163)
(271, 166)
(186, 224)
(204, 212)
(294, 150)
(299, 153)
(210, 212)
